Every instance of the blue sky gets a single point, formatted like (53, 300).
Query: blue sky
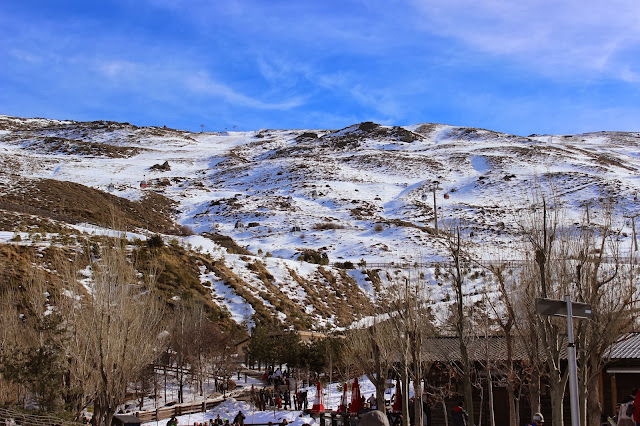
(533, 66)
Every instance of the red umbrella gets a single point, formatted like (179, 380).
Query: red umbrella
(397, 403)
(343, 402)
(356, 403)
(318, 407)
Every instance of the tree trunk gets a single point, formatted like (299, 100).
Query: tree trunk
(492, 418)
(380, 402)
(513, 421)
(405, 396)
(180, 385)
(593, 409)
(417, 402)
(416, 345)
(444, 411)
(534, 393)
(556, 389)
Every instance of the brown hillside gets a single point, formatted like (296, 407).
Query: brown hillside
(74, 203)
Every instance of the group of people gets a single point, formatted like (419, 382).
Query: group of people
(628, 411)
(276, 377)
(238, 420)
(279, 397)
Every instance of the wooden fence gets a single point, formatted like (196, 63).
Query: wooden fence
(176, 410)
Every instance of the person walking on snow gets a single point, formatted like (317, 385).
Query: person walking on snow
(459, 417)
(372, 402)
(239, 418)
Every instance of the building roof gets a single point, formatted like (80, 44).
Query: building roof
(627, 347)
(494, 348)
(479, 348)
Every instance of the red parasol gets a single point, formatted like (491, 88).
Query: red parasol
(397, 403)
(356, 402)
(318, 407)
(342, 408)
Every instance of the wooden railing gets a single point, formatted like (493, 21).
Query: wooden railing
(176, 410)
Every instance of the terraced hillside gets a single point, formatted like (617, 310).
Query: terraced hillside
(251, 209)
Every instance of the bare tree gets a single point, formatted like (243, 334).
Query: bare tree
(113, 330)
(541, 278)
(456, 274)
(504, 315)
(584, 262)
(371, 351)
(413, 321)
(181, 339)
(602, 280)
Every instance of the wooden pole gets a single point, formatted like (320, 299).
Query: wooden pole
(435, 211)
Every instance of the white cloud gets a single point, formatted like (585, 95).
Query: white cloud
(151, 77)
(26, 56)
(201, 83)
(587, 35)
(117, 69)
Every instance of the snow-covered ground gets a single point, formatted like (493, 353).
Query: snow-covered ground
(230, 407)
(357, 195)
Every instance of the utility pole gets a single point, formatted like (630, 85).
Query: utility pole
(435, 187)
(202, 128)
(633, 229)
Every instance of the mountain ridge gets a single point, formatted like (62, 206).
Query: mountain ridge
(361, 194)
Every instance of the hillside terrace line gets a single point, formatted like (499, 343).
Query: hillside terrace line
(511, 263)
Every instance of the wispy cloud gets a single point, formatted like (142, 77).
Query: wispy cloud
(282, 63)
(117, 69)
(551, 36)
(201, 83)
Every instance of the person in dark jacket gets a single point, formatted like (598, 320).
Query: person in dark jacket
(239, 419)
(459, 417)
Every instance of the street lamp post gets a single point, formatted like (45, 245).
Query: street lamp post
(559, 308)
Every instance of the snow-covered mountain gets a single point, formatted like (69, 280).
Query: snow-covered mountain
(363, 194)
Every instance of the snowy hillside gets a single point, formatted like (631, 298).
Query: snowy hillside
(363, 193)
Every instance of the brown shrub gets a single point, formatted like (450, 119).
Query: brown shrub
(327, 225)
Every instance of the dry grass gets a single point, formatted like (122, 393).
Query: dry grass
(59, 145)
(274, 295)
(322, 226)
(244, 290)
(74, 203)
(226, 242)
(177, 273)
